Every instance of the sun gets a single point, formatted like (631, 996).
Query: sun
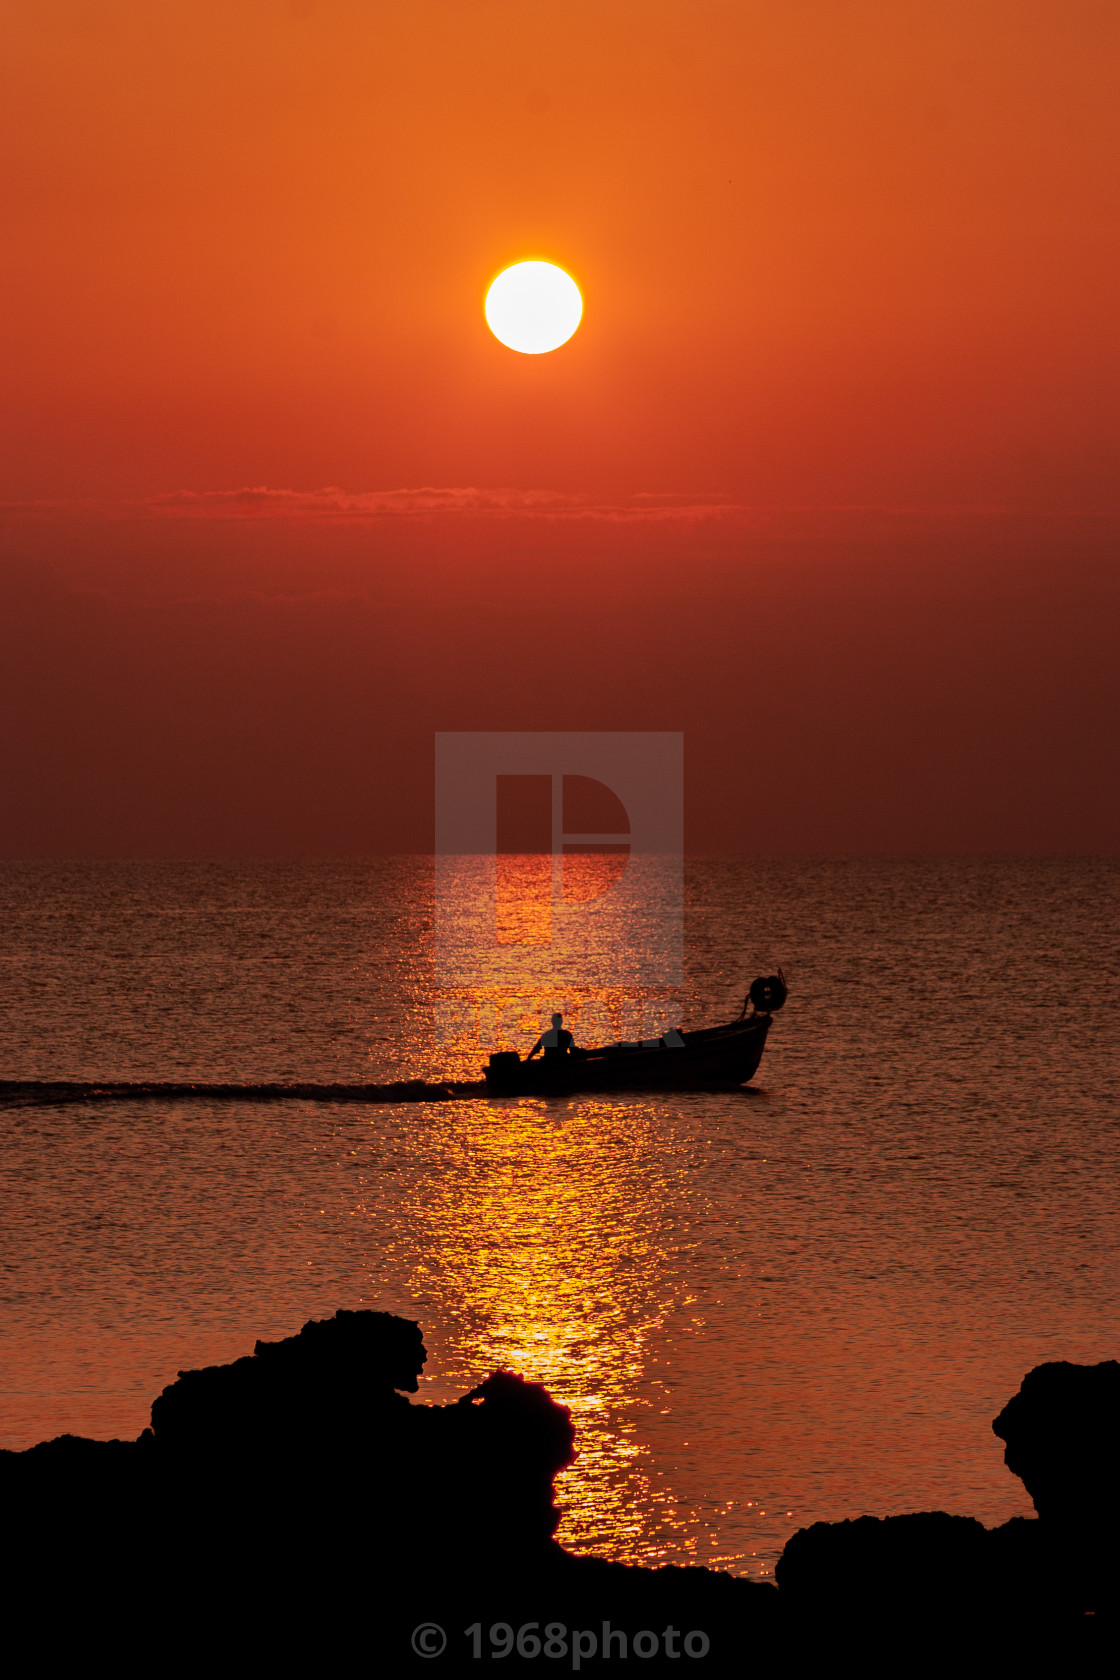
(533, 307)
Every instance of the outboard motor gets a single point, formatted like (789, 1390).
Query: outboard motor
(767, 993)
(503, 1064)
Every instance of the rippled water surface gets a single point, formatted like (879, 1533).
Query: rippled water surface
(803, 1301)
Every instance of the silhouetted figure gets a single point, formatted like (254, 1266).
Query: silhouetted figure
(557, 1044)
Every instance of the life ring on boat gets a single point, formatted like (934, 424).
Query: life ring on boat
(767, 993)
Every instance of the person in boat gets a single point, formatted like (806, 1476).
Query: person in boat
(557, 1044)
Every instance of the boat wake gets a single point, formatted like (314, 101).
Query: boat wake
(21, 1093)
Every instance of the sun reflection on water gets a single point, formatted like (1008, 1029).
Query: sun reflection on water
(548, 1250)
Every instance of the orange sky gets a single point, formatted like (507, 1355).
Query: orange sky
(849, 249)
(834, 253)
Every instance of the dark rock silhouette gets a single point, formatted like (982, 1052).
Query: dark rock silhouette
(1062, 1431)
(830, 1567)
(294, 1509)
(941, 1591)
(294, 1512)
(1062, 1434)
(1030, 1590)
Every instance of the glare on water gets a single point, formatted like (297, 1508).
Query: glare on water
(763, 1309)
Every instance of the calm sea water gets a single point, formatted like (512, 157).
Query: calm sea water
(806, 1301)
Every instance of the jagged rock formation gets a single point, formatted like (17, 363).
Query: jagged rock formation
(1028, 1590)
(1062, 1434)
(295, 1509)
(1062, 1431)
(293, 1512)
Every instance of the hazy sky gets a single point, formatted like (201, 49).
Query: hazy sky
(827, 478)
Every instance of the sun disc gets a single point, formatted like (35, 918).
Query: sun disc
(533, 307)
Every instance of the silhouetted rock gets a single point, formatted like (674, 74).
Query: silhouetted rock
(1062, 1431)
(293, 1509)
(908, 1563)
(318, 1386)
(935, 1589)
(294, 1512)
(1062, 1434)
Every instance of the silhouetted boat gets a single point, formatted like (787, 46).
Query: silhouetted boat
(712, 1058)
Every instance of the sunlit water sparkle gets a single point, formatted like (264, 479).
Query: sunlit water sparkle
(805, 1301)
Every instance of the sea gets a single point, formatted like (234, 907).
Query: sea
(800, 1302)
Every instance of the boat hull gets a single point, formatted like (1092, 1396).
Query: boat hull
(716, 1058)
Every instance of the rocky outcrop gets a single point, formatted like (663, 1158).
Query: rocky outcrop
(294, 1512)
(1032, 1589)
(294, 1509)
(1062, 1435)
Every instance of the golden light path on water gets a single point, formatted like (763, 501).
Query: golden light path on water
(793, 1304)
(548, 1242)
